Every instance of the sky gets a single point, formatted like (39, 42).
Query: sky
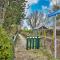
(38, 5)
(35, 5)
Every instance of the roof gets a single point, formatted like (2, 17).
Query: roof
(40, 27)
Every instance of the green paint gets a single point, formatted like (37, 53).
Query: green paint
(33, 43)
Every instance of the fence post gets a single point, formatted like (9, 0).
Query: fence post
(33, 43)
(37, 43)
(30, 42)
(27, 43)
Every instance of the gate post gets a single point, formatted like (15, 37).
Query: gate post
(32, 42)
(37, 43)
(27, 43)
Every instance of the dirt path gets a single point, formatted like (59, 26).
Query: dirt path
(22, 54)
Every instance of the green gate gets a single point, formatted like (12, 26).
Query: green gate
(33, 42)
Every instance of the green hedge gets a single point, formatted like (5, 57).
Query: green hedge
(6, 46)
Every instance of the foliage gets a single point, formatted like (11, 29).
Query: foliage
(47, 53)
(14, 13)
(57, 8)
(6, 47)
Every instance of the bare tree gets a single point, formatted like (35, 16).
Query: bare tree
(35, 19)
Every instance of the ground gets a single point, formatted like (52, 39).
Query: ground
(32, 54)
(22, 54)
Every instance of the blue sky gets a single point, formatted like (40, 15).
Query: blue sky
(38, 5)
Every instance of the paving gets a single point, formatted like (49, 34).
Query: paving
(22, 54)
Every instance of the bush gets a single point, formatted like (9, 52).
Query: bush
(6, 47)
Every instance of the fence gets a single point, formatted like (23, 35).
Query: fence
(32, 42)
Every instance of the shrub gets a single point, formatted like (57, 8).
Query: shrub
(6, 46)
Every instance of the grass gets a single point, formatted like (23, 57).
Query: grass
(47, 53)
(40, 52)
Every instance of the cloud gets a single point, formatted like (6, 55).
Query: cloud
(33, 5)
(29, 2)
(54, 2)
(32, 1)
(44, 7)
(51, 3)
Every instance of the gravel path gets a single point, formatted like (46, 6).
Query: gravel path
(22, 54)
